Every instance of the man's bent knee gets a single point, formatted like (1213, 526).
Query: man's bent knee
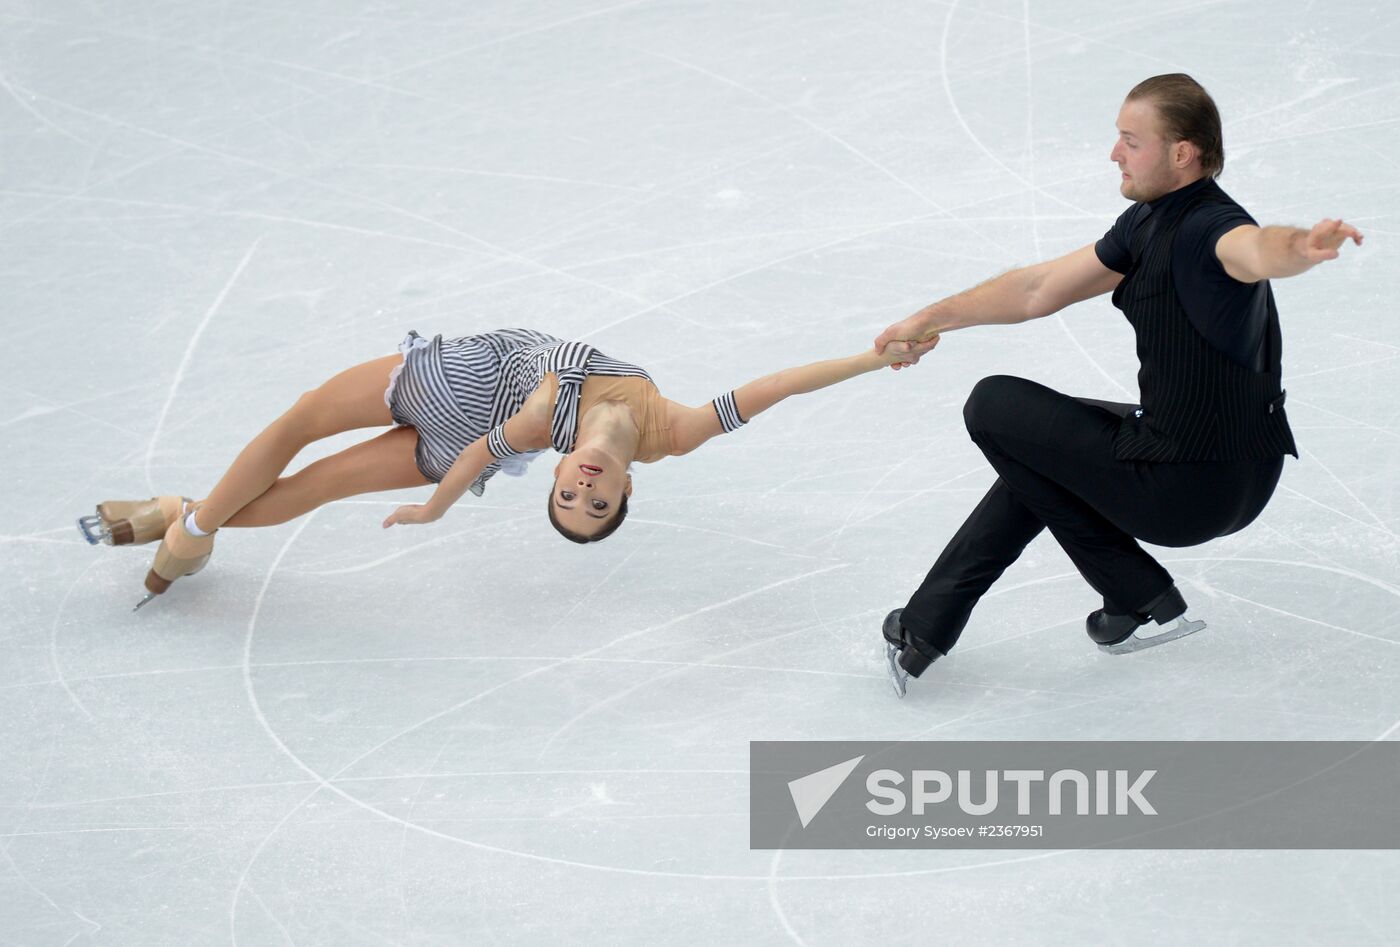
(991, 399)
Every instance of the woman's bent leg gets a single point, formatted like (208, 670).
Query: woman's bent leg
(352, 399)
(385, 462)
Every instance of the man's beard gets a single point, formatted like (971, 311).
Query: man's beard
(1150, 188)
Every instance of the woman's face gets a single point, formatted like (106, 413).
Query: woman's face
(588, 486)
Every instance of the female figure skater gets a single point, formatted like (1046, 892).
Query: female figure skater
(462, 409)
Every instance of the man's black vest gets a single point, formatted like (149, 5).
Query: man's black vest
(1197, 402)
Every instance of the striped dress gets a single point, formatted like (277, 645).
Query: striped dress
(455, 391)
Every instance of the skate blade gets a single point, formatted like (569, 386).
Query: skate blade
(150, 596)
(1133, 642)
(94, 529)
(899, 678)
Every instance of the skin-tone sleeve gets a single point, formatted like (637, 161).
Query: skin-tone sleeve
(691, 427)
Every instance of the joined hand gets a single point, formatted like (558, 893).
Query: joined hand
(902, 353)
(913, 334)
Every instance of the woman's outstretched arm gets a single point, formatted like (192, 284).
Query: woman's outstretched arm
(691, 427)
(527, 429)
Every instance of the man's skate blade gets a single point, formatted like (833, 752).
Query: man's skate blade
(1133, 642)
(899, 678)
(94, 529)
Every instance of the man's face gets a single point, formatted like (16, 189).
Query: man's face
(1142, 154)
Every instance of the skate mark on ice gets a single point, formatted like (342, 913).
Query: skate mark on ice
(326, 783)
(771, 883)
(14, 92)
(1314, 621)
(818, 129)
(967, 129)
(727, 535)
(1294, 492)
(514, 175)
(416, 547)
(1347, 490)
(1346, 417)
(836, 533)
(185, 359)
(864, 232)
(59, 677)
(489, 658)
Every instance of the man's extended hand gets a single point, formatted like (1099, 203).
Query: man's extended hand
(914, 334)
(901, 354)
(911, 329)
(1325, 240)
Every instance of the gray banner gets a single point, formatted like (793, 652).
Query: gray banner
(1074, 795)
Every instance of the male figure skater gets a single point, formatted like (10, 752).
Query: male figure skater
(1202, 453)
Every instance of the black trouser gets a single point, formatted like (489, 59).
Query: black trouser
(1054, 455)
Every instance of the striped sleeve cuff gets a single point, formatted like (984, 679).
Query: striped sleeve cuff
(728, 410)
(497, 445)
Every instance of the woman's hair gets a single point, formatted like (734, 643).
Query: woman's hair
(608, 529)
(1188, 114)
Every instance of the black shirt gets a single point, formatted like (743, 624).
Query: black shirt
(1230, 315)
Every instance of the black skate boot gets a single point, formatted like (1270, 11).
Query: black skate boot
(905, 655)
(1115, 632)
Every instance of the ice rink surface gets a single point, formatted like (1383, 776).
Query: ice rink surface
(476, 733)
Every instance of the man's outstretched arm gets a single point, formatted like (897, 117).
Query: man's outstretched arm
(1017, 296)
(1249, 253)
